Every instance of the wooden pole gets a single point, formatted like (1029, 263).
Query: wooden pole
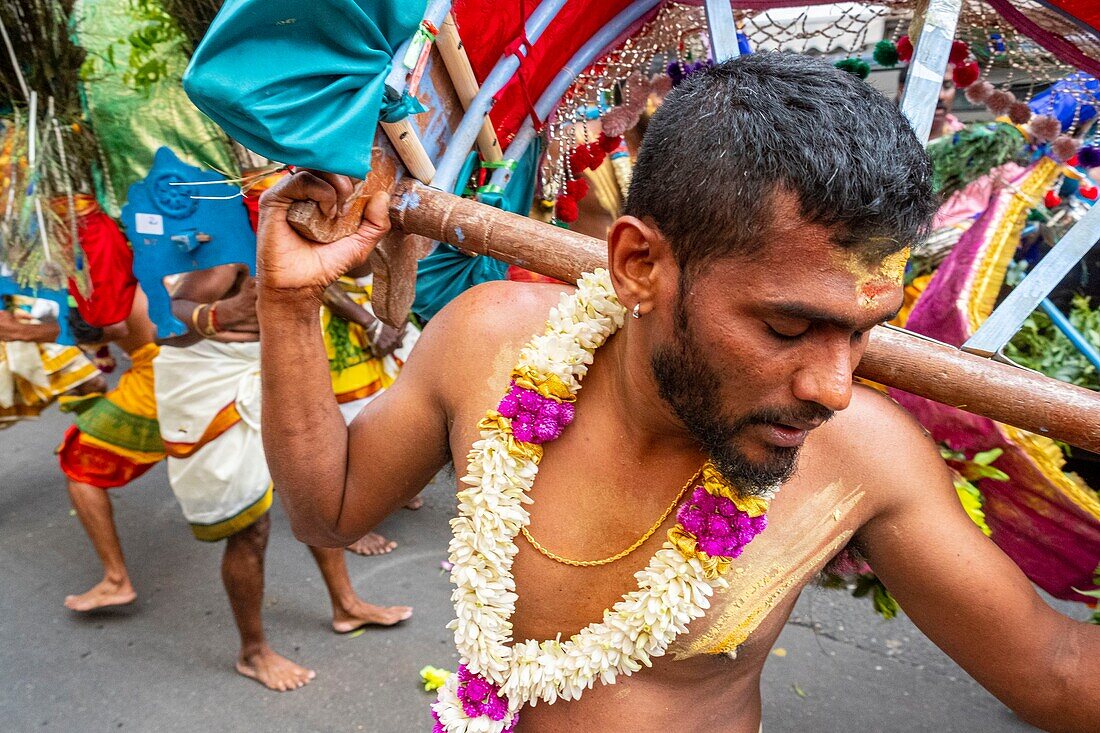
(475, 227)
(894, 357)
(1001, 392)
(406, 141)
(462, 76)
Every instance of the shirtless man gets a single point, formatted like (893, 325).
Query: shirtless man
(208, 399)
(759, 246)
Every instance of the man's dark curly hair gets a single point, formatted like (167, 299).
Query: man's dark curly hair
(729, 138)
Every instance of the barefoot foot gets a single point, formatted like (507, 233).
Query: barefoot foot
(274, 671)
(359, 613)
(372, 543)
(103, 594)
(415, 503)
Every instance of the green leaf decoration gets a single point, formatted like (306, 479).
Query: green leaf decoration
(885, 604)
(987, 456)
(969, 154)
(1039, 345)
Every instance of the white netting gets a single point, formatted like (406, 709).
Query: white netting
(677, 34)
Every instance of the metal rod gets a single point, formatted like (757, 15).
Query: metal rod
(929, 64)
(564, 79)
(1075, 337)
(467, 131)
(722, 30)
(1005, 321)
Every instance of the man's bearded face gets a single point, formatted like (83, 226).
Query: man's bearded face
(693, 387)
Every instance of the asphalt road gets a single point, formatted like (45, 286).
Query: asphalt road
(165, 663)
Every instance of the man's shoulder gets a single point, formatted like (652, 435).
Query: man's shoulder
(498, 311)
(872, 409)
(875, 442)
(472, 344)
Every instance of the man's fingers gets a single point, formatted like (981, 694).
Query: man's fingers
(377, 212)
(347, 253)
(344, 187)
(352, 251)
(302, 186)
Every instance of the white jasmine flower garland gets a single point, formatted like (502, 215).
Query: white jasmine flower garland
(496, 679)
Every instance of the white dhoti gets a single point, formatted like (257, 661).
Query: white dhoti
(208, 400)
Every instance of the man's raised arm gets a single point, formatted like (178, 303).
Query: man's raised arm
(961, 590)
(334, 488)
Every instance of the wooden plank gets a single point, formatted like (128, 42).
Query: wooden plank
(458, 65)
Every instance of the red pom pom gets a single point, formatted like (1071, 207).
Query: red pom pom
(576, 189)
(965, 74)
(596, 155)
(580, 159)
(1019, 113)
(1063, 148)
(905, 48)
(999, 102)
(1044, 128)
(959, 52)
(1051, 200)
(1089, 192)
(979, 92)
(1073, 162)
(608, 144)
(567, 209)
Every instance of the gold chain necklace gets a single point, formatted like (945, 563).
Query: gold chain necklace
(620, 555)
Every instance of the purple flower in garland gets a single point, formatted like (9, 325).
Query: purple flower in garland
(524, 433)
(546, 429)
(719, 527)
(535, 418)
(509, 405)
(479, 697)
(550, 410)
(693, 520)
(529, 400)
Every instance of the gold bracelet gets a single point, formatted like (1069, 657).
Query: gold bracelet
(211, 329)
(195, 318)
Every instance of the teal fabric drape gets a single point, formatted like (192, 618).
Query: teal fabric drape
(301, 82)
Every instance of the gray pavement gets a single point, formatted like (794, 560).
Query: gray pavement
(165, 663)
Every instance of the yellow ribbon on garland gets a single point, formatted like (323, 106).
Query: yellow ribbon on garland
(495, 422)
(547, 385)
(688, 546)
(717, 485)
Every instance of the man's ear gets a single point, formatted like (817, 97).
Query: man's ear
(638, 257)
